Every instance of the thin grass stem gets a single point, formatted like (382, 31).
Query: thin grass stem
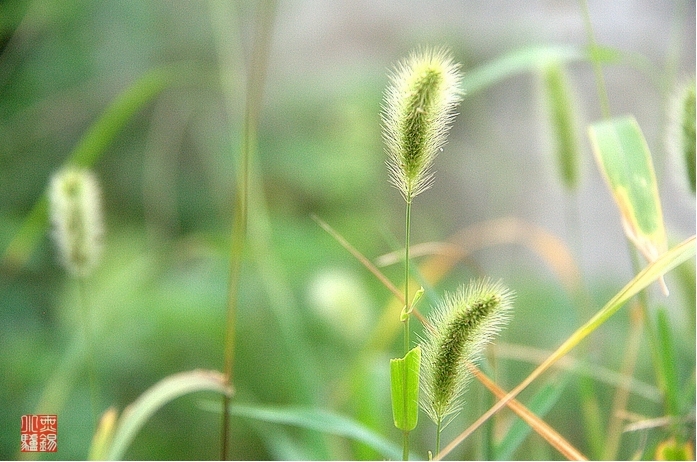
(255, 78)
(597, 68)
(405, 318)
(89, 348)
(621, 398)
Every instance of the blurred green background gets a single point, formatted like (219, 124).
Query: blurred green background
(306, 307)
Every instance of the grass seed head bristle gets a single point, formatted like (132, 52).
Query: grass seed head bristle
(463, 323)
(77, 219)
(417, 113)
(680, 133)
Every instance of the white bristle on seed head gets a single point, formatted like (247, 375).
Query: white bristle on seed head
(76, 217)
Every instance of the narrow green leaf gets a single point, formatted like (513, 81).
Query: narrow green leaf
(404, 381)
(651, 273)
(320, 420)
(669, 379)
(624, 159)
(164, 391)
(540, 405)
(117, 114)
(88, 150)
(517, 62)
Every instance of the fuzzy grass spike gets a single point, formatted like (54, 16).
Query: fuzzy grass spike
(461, 325)
(417, 113)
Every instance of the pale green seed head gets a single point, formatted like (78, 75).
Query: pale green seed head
(560, 106)
(418, 109)
(77, 219)
(680, 133)
(461, 325)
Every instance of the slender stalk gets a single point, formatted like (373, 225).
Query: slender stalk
(621, 398)
(651, 331)
(597, 69)
(89, 348)
(407, 300)
(230, 324)
(405, 321)
(439, 428)
(405, 445)
(255, 78)
(239, 242)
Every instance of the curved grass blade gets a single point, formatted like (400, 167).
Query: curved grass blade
(319, 420)
(88, 150)
(666, 262)
(164, 391)
(517, 62)
(103, 436)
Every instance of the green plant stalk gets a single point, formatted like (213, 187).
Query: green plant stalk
(231, 318)
(621, 398)
(255, 78)
(597, 69)
(652, 334)
(239, 240)
(406, 315)
(666, 262)
(662, 366)
(407, 300)
(89, 349)
(668, 361)
(439, 428)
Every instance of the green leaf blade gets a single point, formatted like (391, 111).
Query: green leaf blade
(404, 381)
(137, 413)
(320, 420)
(624, 159)
(540, 404)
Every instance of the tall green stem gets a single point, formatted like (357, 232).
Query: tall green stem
(405, 321)
(89, 347)
(255, 77)
(597, 69)
(238, 244)
(407, 300)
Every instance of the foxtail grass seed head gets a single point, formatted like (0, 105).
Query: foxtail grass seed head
(461, 325)
(680, 134)
(76, 217)
(560, 107)
(418, 109)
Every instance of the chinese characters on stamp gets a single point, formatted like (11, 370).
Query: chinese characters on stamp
(39, 433)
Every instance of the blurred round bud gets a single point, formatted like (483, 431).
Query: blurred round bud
(340, 300)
